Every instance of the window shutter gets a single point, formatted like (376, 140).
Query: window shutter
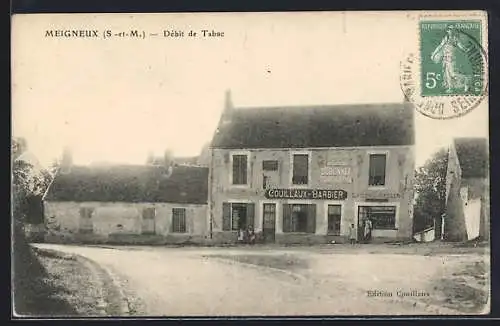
(287, 215)
(250, 214)
(226, 216)
(243, 169)
(189, 221)
(311, 218)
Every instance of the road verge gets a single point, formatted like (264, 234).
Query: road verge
(85, 285)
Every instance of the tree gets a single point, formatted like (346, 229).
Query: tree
(27, 183)
(430, 186)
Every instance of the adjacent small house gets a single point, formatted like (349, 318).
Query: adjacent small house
(127, 204)
(467, 191)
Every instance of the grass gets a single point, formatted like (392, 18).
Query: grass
(48, 284)
(35, 293)
(465, 289)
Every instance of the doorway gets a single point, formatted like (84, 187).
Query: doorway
(269, 222)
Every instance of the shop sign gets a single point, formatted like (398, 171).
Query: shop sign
(318, 194)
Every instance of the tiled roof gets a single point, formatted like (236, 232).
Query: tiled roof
(131, 183)
(316, 126)
(472, 156)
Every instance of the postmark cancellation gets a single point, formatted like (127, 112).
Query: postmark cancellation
(447, 76)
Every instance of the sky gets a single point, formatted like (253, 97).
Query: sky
(115, 100)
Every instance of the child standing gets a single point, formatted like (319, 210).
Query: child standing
(352, 234)
(241, 236)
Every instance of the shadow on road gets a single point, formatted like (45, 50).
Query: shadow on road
(283, 261)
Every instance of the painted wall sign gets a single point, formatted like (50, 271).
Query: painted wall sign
(336, 174)
(376, 195)
(320, 194)
(338, 159)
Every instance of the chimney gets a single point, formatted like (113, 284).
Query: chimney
(67, 160)
(150, 159)
(228, 107)
(228, 104)
(168, 162)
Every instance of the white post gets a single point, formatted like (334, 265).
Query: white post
(442, 226)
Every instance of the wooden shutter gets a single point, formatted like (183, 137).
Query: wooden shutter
(287, 215)
(239, 169)
(226, 216)
(311, 218)
(251, 214)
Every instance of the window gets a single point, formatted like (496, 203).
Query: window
(178, 220)
(86, 225)
(377, 170)
(148, 220)
(237, 215)
(265, 179)
(299, 218)
(270, 165)
(382, 217)
(300, 167)
(334, 218)
(240, 169)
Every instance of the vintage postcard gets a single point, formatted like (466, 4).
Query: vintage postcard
(250, 164)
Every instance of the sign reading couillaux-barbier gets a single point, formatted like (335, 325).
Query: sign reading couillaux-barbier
(306, 194)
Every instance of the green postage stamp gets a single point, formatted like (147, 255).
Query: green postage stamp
(446, 76)
(451, 62)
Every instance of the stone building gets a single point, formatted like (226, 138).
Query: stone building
(127, 204)
(304, 174)
(467, 191)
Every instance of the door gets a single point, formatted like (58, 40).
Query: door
(148, 220)
(269, 222)
(362, 215)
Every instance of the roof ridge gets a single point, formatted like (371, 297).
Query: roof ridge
(339, 105)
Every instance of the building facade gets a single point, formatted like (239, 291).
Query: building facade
(305, 174)
(127, 204)
(467, 191)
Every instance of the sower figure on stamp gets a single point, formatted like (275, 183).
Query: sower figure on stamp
(446, 54)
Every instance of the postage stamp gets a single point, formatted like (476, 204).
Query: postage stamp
(454, 66)
(447, 77)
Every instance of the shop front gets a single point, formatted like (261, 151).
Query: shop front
(301, 215)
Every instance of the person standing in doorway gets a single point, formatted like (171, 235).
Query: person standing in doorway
(368, 230)
(352, 234)
(251, 234)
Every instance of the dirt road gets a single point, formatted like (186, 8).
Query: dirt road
(227, 282)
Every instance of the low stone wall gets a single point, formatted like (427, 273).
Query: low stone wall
(218, 238)
(301, 238)
(139, 239)
(34, 232)
(225, 237)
